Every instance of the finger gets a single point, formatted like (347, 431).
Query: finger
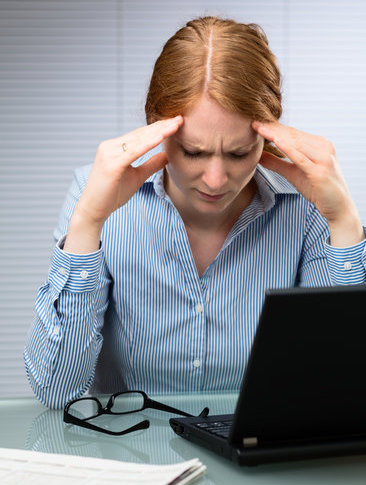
(285, 142)
(319, 150)
(284, 168)
(152, 165)
(295, 155)
(145, 138)
(276, 129)
(316, 148)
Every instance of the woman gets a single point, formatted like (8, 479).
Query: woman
(159, 273)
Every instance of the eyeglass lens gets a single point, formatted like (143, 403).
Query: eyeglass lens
(122, 403)
(127, 403)
(84, 409)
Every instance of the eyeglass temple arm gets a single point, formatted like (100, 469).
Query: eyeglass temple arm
(164, 407)
(73, 420)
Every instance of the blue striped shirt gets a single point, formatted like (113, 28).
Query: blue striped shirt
(136, 315)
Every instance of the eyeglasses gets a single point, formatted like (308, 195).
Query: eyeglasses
(80, 411)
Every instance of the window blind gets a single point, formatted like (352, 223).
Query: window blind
(59, 99)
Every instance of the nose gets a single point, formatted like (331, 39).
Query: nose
(215, 176)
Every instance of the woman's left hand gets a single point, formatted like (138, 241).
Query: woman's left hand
(315, 172)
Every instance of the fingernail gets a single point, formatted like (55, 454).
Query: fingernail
(172, 121)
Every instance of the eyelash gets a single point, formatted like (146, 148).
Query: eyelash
(198, 154)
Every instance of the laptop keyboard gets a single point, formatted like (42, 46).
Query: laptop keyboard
(219, 428)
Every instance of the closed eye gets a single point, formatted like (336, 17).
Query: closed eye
(199, 154)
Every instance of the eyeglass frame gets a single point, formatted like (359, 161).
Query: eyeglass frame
(107, 409)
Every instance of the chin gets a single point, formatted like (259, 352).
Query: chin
(212, 207)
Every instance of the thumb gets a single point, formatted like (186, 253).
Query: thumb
(154, 164)
(277, 164)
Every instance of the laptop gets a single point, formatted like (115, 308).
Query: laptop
(303, 393)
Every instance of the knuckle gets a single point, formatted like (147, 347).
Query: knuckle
(101, 146)
(326, 144)
(328, 149)
(105, 156)
(104, 147)
(329, 146)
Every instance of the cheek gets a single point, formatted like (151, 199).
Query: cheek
(173, 153)
(247, 168)
(177, 168)
(253, 161)
(243, 175)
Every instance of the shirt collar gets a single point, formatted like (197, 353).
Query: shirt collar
(271, 185)
(157, 179)
(274, 181)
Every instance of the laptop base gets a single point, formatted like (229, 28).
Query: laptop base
(186, 428)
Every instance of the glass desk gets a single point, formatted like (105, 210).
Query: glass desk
(27, 424)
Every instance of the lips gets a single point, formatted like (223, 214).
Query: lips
(211, 197)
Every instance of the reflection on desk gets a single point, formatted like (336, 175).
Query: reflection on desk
(50, 434)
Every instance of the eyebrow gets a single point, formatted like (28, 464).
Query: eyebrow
(198, 148)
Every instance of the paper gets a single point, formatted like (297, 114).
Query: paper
(35, 468)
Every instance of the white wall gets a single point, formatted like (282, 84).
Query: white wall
(75, 72)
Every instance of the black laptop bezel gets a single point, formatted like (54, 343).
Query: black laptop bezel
(328, 314)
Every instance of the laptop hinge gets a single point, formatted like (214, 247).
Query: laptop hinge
(250, 442)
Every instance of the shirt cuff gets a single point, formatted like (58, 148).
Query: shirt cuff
(347, 266)
(76, 273)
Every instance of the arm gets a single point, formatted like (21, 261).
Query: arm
(63, 344)
(315, 172)
(65, 340)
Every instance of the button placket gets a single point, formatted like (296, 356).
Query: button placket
(193, 290)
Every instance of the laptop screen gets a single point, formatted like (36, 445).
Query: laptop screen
(306, 375)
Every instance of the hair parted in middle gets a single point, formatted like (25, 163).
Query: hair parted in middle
(229, 61)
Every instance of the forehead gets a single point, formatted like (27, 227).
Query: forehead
(205, 137)
(209, 123)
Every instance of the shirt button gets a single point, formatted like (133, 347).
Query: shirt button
(62, 271)
(56, 331)
(84, 274)
(199, 308)
(197, 363)
(347, 265)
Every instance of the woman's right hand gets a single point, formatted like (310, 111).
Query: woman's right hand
(113, 180)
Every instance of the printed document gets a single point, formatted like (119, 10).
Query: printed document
(34, 468)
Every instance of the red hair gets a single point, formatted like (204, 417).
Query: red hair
(229, 61)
